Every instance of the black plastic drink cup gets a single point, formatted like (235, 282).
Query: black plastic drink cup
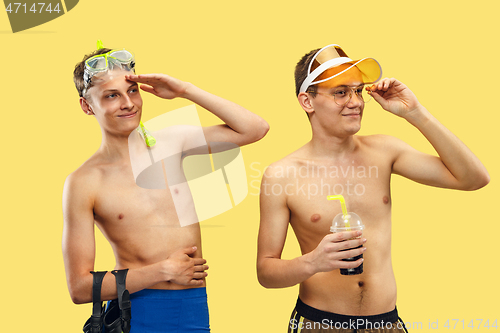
(355, 270)
(344, 223)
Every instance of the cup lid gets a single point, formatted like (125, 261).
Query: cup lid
(349, 222)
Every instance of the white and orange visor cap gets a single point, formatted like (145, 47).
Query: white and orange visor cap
(333, 56)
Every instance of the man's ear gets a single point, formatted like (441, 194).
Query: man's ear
(305, 101)
(84, 104)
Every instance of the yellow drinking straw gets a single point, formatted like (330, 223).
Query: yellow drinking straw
(344, 209)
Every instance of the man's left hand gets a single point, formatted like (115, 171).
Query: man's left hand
(394, 97)
(161, 85)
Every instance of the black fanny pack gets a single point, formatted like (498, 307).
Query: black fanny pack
(116, 318)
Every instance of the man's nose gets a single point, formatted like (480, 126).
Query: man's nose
(127, 102)
(355, 100)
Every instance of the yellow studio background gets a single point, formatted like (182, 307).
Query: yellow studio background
(445, 243)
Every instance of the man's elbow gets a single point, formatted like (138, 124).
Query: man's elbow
(259, 130)
(78, 295)
(480, 180)
(484, 180)
(263, 128)
(263, 277)
(76, 298)
(263, 280)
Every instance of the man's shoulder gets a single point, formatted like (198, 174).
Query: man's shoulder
(174, 136)
(378, 141)
(278, 169)
(85, 175)
(179, 129)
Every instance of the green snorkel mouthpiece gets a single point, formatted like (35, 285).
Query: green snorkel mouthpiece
(146, 135)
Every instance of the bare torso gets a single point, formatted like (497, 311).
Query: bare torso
(363, 178)
(142, 225)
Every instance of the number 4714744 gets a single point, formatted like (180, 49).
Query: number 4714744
(456, 323)
(36, 8)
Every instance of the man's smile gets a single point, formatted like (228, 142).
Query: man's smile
(128, 115)
(352, 115)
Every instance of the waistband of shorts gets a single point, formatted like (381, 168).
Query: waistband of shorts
(170, 294)
(314, 314)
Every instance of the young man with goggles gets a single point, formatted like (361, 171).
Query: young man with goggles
(166, 276)
(332, 89)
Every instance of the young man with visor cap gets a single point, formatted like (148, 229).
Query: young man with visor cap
(332, 89)
(166, 276)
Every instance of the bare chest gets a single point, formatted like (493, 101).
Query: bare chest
(365, 185)
(120, 202)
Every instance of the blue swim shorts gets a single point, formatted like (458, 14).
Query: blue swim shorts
(172, 311)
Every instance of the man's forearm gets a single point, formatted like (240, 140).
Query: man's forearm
(235, 116)
(279, 273)
(137, 279)
(456, 156)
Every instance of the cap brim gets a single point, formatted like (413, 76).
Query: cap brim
(369, 68)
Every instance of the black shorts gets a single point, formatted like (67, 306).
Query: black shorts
(306, 319)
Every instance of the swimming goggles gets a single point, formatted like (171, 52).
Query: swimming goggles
(102, 62)
(333, 56)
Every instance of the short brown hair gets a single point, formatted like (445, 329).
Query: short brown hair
(301, 71)
(301, 74)
(79, 70)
